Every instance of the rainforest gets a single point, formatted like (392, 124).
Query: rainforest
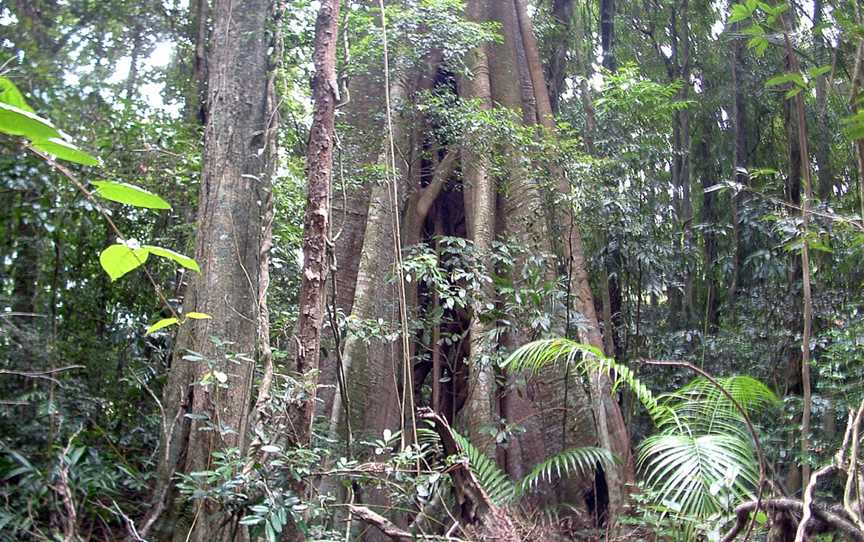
(435, 270)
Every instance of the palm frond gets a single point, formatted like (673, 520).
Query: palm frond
(691, 472)
(587, 360)
(493, 480)
(567, 463)
(706, 409)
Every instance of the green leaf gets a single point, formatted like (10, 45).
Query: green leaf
(817, 72)
(64, 150)
(185, 261)
(20, 122)
(791, 77)
(9, 94)
(130, 195)
(758, 44)
(117, 260)
(791, 93)
(740, 12)
(198, 316)
(161, 324)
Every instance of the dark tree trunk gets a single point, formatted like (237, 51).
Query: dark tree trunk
(607, 33)
(739, 160)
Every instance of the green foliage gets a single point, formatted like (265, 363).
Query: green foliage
(586, 360)
(493, 480)
(702, 461)
(129, 194)
(502, 490)
(575, 461)
(117, 260)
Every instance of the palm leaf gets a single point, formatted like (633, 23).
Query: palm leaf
(585, 359)
(690, 471)
(567, 463)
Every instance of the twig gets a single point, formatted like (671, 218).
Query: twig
(44, 375)
(390, 529)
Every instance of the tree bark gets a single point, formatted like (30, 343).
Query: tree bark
(235, 185)
(481, 405)
(319, 164)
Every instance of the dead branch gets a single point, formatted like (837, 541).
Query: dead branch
(389, 528)
(824, 520)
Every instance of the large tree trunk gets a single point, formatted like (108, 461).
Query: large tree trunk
(235, 186)
(481, 405)
(611, 429)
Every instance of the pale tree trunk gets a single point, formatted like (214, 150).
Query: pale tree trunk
(319, 164)
(235, 188)
(611, 429)
(481, 405)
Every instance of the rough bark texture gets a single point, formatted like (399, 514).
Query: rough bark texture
(319, 164)
(235, 186)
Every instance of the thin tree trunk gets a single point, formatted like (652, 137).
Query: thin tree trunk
(607, 33)
(319, 164)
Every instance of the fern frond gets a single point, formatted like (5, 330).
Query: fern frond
(567, 463)
(494, 481)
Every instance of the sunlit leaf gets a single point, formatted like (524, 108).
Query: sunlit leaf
(117, 260)
(185, 261)
(20, 122)
(9, 94)
(198, 315)
(64, 150)
(129, 194)
(162, 324)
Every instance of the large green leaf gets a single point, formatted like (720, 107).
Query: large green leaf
(20, 122)
(65, 151)
(9, 94)
(130, 195)
(691, 470)
(185, 261)
(117, 260)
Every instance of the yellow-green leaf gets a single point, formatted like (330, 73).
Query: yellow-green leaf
(117, 260)
(198, 315)
(185, 261)
(161, 324)
(64, 150)
(20, 122)
(9, 94)
(130, 195)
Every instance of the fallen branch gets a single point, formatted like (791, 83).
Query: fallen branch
(389, 528)
(825, 520)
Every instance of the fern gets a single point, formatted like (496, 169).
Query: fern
(567, 463)
(494, 481)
